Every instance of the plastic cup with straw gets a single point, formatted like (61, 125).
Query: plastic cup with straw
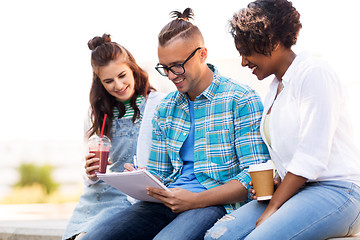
(100, 146)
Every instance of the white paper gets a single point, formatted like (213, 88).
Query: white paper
(133, 183)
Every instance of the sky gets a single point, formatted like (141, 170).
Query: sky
(45, 63)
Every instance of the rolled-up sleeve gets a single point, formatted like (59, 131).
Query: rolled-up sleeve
(250, 148)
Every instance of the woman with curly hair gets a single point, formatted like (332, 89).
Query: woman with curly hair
(306, 128)
(121, 89)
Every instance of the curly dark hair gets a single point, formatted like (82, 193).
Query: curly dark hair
(179, 27)
(263, 24)
(104, 51)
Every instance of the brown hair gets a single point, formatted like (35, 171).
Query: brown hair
(103, 52)
(263, 24)
(180, 27)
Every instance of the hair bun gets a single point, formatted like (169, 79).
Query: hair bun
(97, 41)
(186, 15)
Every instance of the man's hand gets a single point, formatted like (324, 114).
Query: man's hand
(277, 181)
(178, 199)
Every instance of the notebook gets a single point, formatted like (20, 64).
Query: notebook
(133, 183)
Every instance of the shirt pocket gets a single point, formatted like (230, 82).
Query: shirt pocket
(157, 132)
(219, 145)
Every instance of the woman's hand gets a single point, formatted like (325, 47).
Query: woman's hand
(92, 166)
(129, 167)
(286, 190)
(266, 214)
(269, 210)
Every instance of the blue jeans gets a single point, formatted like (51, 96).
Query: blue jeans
(145, 220)
(319, 210)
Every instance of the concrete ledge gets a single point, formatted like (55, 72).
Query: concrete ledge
(53, 230)
(32, 230)
(34, 221)
(45, 222)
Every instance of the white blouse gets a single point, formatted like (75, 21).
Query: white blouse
(310, 129)
(266, 129)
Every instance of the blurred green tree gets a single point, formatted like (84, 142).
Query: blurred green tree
(31, 174)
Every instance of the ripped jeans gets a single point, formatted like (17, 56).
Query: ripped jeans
(147, 220)
(319, 210)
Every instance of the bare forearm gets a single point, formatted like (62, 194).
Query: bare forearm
(289, 186)
(180, 200)
(231, 192)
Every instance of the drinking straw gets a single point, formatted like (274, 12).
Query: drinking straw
(103, 126)
(101, 136)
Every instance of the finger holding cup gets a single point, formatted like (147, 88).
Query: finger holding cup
(91, 166)
(100, 146)
(262, 179)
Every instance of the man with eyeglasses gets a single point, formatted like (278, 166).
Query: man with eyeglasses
(205, 135)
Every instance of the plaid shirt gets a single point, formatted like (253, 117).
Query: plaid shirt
(227, 137)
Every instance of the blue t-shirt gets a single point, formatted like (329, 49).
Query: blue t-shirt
(187, 179)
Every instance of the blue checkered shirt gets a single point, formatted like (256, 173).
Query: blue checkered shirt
(227, 136)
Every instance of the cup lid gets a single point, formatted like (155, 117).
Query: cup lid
(96, 139)
(261, 166)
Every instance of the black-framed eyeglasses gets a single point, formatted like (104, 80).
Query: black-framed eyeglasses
(177, 69)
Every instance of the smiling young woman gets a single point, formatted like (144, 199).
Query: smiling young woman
(120, 89)
(307, 130)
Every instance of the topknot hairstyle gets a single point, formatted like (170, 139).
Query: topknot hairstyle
(180, 27)
(186, 15)
(97, 41)
(104, 51)
(263, 24)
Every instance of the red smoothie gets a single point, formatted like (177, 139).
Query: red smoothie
(103, 155)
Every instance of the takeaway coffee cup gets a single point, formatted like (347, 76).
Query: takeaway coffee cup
(100, 146)
(262, 177)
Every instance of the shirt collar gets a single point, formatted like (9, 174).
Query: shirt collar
(293, 67)
(208, 93)
(286, 77)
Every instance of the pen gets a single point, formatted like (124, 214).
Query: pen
(135, 163)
